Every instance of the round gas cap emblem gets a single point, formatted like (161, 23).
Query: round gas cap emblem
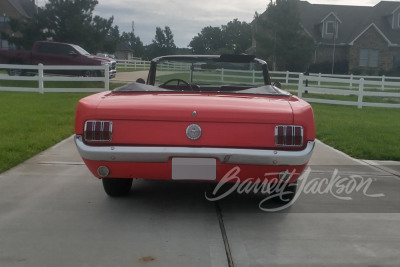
(193, 131)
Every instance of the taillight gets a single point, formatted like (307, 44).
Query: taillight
(98, 131)
(288, 135)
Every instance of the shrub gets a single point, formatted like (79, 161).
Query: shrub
(340, 67)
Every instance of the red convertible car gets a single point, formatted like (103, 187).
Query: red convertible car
(196, 118)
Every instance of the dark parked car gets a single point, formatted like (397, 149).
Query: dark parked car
(54, 53)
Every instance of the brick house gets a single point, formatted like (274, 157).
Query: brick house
(364, 38)
(13, 9)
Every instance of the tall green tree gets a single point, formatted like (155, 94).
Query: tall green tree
(234, 38)
(208, 41)
(133, 42)
(162, 44)
(237, 36)
(280, 37)
(69, 21)
(169, 40)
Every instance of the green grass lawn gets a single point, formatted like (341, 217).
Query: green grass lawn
(32, 122)
(52, 84)
(353, 98)
(367, 133)
(214, 78)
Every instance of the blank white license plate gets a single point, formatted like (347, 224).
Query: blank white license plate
(194, 169)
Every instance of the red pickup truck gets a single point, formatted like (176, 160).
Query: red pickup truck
(54, 53)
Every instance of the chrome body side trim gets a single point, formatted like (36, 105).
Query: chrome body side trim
(163, 154)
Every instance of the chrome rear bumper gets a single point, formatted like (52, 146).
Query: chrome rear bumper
(225, 155)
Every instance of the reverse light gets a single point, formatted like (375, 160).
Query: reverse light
(288, 135)
(98, 131)
(103, 171)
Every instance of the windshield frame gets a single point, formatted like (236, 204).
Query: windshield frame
(151, 79)
(266, 89)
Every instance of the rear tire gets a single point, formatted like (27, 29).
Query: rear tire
(92, 73)
(15, 72)
(117, 187)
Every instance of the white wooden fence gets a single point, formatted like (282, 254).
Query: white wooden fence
(133, 64)
(381, 91)
(40, 77)
(288, 78)
(382, 88)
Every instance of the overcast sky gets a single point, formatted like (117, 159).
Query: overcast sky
(186, 18)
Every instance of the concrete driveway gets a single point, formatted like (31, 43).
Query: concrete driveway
(130, 76)
(53, 212)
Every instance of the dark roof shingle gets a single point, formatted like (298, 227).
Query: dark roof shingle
(354, 20)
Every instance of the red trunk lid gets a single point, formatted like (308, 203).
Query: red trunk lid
(163, 118)
(196, 108)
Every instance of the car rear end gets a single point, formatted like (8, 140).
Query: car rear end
(197, 119)
(158, 136)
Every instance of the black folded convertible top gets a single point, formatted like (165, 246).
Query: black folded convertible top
(262, 90)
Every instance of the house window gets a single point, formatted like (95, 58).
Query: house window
(396, 61)
(330, 27)
(4, 22)
(4, 44)
(369, 58)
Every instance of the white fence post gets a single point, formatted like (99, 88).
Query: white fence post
(319, 79)
(287, 77)
(383, 83)
(360, 93)
(300, 87)
(351, 81)
(106, 78)
(40, 78)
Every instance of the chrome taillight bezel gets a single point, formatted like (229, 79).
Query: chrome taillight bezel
(98, 131)
(289, 135)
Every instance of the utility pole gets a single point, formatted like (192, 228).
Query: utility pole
(334, 44)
